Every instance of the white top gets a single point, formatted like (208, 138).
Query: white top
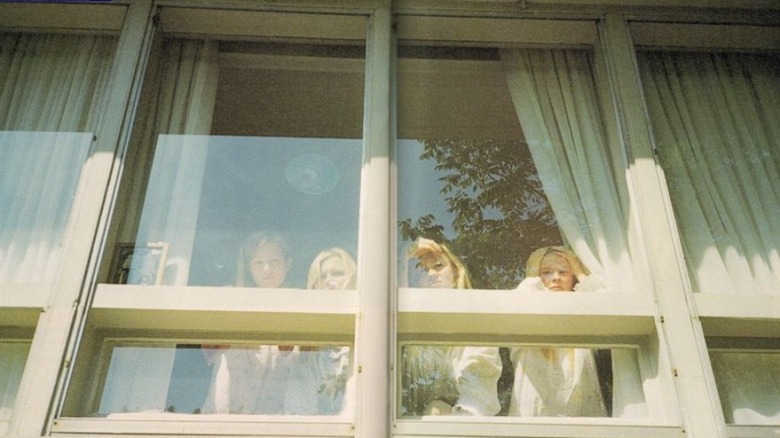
(266, 380)
(555, 382)
(457, 380)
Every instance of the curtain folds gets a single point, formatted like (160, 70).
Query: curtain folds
(556, 100)
(51, 88)
(714, 119)
(185, 104)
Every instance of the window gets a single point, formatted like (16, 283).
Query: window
(249, 146)
(354, 218)
(54, 94)
(509, 189)
(710, 105)
(711, 119)
(56, 91)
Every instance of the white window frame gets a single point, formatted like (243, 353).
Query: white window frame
(675, 319)
(611, 319)
(743, 318)
(248, 314)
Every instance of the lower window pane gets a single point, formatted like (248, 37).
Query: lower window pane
(748, 386)
(225, 379)
(13, 356)
(526, 381)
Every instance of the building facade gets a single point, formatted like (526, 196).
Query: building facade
(317, 218)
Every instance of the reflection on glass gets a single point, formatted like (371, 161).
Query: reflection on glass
(212, 202)
(748, 386)
(13, 356)
(53, 95)
(39, 173)
(226, 379)
(543, 382)
(442, 380)
(242, 137)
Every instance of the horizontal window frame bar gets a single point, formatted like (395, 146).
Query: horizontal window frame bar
(705, 36)
(738, 315)
(67, 16)
(231, 23)
(215, 425)
(224, 309)
(744, 431)
(495, 313)
(533, 427)
(497, 31)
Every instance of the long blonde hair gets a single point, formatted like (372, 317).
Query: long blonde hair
(534, 263)
(315, 270)
(423, 247)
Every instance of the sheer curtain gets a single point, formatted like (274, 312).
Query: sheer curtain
(714, 119)
(184, 104)
(556, 100)
(51, 89)
(181, 121)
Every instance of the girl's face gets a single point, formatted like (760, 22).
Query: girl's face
(556, 273)
(269, 266)
(333, 275)
(438, 272)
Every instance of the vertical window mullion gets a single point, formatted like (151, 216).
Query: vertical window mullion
(682, 334)
(372, 322)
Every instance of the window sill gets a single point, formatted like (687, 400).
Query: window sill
(495, 313)
(534, 427)
(224, 309)
(186, 424)
(742, 315)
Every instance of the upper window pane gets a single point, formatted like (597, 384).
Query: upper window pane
(53, 89)
(498, 156)
(713, 118)
(466, 176)
(253, 152)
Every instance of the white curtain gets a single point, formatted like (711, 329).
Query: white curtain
(185, 104)
(51, 87)
(715, 122)
(748, 385)
(555, 98)
(557, 102)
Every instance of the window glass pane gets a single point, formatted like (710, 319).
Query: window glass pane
(498, 157)
(53, 89)
(252, 166)
(466, 177)
(507, 180)
(748, 384)
(223, 379)
(540, 382)
(713, 121)
(242, 170)
(13, 356)
(211, 201)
